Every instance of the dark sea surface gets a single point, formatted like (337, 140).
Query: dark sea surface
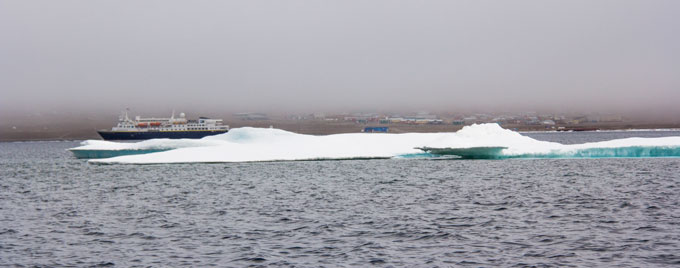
(58, 211)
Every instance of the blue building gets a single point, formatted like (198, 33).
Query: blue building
(375, 129)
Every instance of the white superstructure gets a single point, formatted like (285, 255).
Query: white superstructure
(167, 124)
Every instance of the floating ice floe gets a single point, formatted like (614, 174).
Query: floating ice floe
(484, 141)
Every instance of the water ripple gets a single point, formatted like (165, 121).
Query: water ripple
(59, 211)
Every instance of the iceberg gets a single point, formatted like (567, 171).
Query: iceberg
(482, 141)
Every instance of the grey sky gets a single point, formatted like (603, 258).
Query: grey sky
(335, 55)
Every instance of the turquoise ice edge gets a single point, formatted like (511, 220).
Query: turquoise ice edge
(465, 153)
(96, 154)
(498, 152)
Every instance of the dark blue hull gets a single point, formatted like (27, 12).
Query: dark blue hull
(145, 135)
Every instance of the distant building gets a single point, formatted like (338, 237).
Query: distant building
(578, 120)
(532, 120)
(421, 118)
(375, 129)
(470, 120)
(251, 116)
(604, 118)
(362, 118)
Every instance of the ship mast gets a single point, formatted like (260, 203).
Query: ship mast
(124, 116)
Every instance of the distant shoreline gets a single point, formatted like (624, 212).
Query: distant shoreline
(328, 128)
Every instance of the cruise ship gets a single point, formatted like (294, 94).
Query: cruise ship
(155, 128)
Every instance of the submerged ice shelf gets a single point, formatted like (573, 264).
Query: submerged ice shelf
(484, 141)
(602, 152)
(93, 153)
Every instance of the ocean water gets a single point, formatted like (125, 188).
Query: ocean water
(56, 210)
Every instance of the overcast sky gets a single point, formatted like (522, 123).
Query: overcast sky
(335, 55)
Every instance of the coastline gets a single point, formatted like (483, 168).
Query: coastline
(312, 127)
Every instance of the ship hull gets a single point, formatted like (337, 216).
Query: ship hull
(146, 135)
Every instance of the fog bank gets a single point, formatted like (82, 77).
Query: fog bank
(309, 56)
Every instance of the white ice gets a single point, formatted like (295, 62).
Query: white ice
(266, 144)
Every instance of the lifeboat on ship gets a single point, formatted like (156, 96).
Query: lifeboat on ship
(155, 124)
(143, 124)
